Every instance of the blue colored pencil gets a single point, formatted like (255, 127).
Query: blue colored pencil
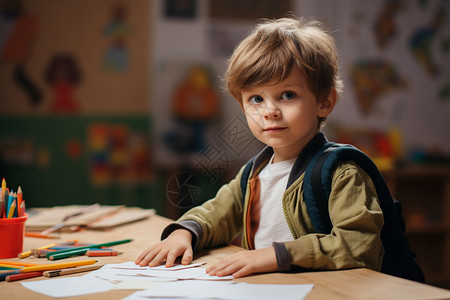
(3, 276)
(71, 248)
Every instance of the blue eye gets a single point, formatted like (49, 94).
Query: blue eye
(256, 99)
(288, 95)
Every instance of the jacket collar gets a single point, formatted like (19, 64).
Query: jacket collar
(300, 164)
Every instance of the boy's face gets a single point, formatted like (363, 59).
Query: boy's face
(285, 115)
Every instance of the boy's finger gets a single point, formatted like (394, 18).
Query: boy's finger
(242, 272)
(229, 269)
(212, 268)
(141, 256)
(171, 257)
(149, 257)
(187, 256)
(158, 259)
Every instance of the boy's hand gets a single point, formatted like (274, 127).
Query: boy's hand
(178, 243)
(245, 263)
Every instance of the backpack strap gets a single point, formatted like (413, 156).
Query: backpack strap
(313, 192)
(317, 181)
(398, 259)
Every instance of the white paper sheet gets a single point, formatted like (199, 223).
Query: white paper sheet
(164, 284)
(226, 290)
(184, 274)
(132, 266)
(68, 286)
(246, 291)
(135, 285)
(117, 273)
(139, 296)
(188, 289)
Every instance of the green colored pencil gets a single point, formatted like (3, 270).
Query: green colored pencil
(81, 250)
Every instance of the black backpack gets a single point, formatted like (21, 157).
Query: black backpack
(398, 258)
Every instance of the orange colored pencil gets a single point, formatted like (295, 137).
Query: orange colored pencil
(20, 264)
(102, 253)
(38, 235)
(58, 266)
(19, 202)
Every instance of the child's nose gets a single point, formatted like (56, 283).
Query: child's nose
(272, 112)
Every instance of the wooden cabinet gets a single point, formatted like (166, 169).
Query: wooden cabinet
(424, 193)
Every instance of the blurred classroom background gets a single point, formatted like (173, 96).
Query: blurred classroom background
(121, 102)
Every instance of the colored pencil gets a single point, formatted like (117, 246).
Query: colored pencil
(4, 199)
(7, 203)
(2, 203)
(12, 208)
(40, 253)
(55, 255)
(59, 247)
(94, 253)
(58, 266)
(38, 235)
(4, 275)
(19, 202)
(21, 276)
(63, 253)
(28, 253)
(7, 270)
(13, 266)
(55, 273)
(16, 209)
(70, 242)
(14, 263)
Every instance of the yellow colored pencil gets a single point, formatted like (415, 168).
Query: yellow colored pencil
(17, 263)
(58, 266)
(28, 253)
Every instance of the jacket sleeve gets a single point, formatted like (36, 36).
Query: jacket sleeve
(357, 221)
(219, 220)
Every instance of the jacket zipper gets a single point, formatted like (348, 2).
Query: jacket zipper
(283, 205)
(245, 210)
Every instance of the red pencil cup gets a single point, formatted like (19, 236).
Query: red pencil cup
(12, 232)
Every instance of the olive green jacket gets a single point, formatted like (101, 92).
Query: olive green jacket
(354, 212)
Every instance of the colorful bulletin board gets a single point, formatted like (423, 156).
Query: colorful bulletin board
(75, 116)
(87, 160)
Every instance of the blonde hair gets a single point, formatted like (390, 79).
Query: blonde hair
(277, 47)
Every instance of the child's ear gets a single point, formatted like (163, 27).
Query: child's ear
(327, 106)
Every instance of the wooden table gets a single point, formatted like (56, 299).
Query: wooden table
(348, 284)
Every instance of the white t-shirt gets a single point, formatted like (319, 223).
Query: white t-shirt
(272, 225)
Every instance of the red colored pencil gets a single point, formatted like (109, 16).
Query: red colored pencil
(21, 276)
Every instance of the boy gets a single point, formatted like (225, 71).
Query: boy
(285, 78)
